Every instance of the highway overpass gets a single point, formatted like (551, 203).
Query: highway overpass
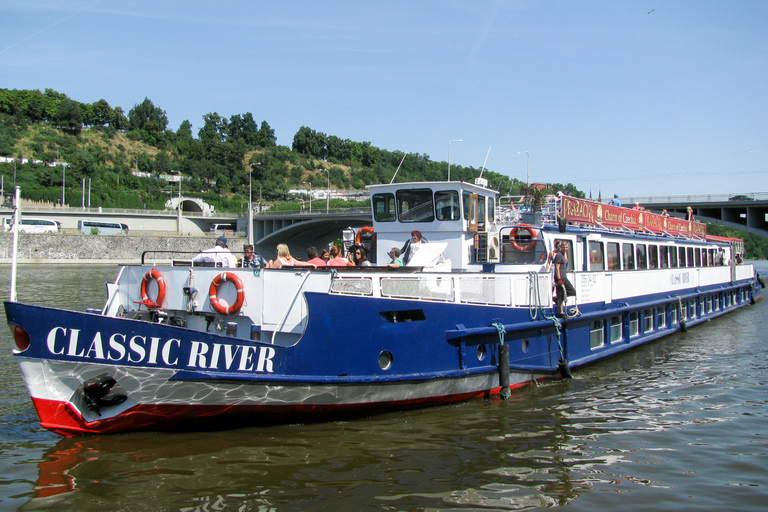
(748, 212)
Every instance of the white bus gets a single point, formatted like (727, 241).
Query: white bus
(29, 225)
(98, 227)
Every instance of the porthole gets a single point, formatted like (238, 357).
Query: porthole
(525, 345)
(385, 360)
(481, 352)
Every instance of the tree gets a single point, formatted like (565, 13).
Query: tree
(102, 112)
(266, 136)
(69, 117)
(150, 121)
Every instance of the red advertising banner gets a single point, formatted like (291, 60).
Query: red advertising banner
(588, 212)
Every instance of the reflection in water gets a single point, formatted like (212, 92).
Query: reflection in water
(675, 425)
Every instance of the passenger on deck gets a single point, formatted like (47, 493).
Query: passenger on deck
(615, 201)
(219, 255)
(358, 257)
(336, 259)
(407, 250)
(396, 261)
(325, 256)
(665, 213)
(690, 214)
(250, 259)
(314, 259)
(637, 207)
(563, 286)
(284, 259)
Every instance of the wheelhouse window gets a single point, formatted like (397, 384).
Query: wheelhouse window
(642, 257)
(491, 209)
(596, 336)
(447, 205)
(596, 258)
(628, 250)
(612, 252)
(384, 207)
(415, 205)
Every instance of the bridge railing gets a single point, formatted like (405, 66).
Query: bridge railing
(695, 198)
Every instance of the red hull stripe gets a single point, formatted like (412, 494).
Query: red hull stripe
(64, 419)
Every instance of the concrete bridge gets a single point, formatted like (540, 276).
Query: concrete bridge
(747, 212)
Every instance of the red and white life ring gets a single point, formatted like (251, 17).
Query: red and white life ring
(157, 276)
(364, 229)
(234, 308)
(513, 234)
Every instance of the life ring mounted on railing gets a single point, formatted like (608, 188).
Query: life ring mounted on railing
(364, 229)
(513, 235)
(149, 276)
(212, 294)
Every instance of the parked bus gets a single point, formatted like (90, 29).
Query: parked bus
(29, 225)
(99, 227)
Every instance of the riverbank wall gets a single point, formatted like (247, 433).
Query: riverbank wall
(94, 249)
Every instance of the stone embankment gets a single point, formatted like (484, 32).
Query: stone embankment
(61, 248)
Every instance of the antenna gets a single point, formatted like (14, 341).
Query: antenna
(486, 161)
(398, 168)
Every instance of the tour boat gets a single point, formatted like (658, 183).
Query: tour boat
(184, 346)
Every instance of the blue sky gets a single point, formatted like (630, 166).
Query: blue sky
(644, 97)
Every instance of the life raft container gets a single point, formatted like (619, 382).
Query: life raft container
(234, 308)
(364, 229)
(534, 234)
(157, 276)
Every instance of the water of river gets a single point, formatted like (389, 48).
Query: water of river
(677, 425)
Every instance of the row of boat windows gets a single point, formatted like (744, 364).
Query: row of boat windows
(632, 256)
(424, 205)
(651, 319)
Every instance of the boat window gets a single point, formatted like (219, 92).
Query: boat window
(612, 252)
(681, 256)
(647, 320)
(481, 213)
(616, 325)
(465, 199)
(664, 256)
(690, 256)
(661, 317)
(673, 257)
(673, 315)
(596, 255)
(491, 209)
(384, 207)
(697, 256)
(629, 256)
(415, 205)
(447, 205)
(642, 257)
(653, 256)
(596, 337)
(634, 324)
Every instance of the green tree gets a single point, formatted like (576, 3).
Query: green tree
(69, 116)
(150, 121)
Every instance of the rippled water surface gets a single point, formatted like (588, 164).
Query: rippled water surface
(676, 425)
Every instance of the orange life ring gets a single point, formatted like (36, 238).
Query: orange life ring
(513, 234)
(234, 308)
(153, 274)
(364, 229)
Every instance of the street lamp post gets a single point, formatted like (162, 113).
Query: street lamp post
(528, 168)
(250, 202)
(63, 180)
(309, 192)
(328, 192)
(449, 156)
